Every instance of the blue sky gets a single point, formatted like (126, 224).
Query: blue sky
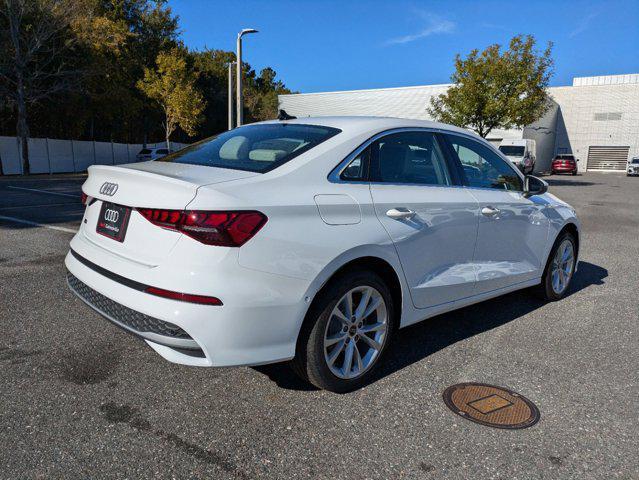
(332, 45)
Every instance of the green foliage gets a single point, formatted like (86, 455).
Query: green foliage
(495, 89)
(104, 49)
(261, 95)
(172, 86)
(260, 92)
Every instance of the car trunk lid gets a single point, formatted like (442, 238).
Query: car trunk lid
(149, 184)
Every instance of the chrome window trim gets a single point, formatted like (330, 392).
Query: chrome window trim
(335, 175)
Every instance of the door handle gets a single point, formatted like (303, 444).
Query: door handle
(400, 213)
(489, 211)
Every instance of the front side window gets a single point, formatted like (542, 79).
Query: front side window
(255, 148)
(483, 167)
(409, 157)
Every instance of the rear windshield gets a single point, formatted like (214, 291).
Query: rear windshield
(255, 148)
(635, 160)
(512, 150)
(162, 151)
(565, 157)
(144, 151)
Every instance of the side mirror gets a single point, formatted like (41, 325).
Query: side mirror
(534, 186)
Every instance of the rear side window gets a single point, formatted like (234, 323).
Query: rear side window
(255, 148)
(357, 169)
(483, 167)
(409, 157)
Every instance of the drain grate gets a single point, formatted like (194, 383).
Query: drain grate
(491, 406)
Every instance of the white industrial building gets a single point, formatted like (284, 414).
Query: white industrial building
(596, 119)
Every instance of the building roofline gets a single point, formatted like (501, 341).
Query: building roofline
(412, 87)
(599, 80)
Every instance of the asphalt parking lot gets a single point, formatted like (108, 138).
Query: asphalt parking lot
(81, 399)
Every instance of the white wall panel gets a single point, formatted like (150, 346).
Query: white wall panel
(61, 156)
(10, 156)
(103, 153)
(38, 155)
(83, 155)
(120, 153)
(64, 156)
(134, 149)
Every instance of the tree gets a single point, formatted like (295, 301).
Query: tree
(35, 42)
(262, 95)
(492, 89)
(84, 82)
(173, 87)
(260, 92)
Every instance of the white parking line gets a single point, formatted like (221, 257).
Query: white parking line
(18, 207)
(45, 191)
(36, 224)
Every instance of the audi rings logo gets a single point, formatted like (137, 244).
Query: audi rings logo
(111, 215)
(109, 188)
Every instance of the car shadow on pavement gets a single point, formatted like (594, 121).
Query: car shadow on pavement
(416, 342)
(560, 182)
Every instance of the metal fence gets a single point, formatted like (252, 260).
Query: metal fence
(47, 155)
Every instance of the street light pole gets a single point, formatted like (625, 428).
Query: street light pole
(230, 100)
(240, 110)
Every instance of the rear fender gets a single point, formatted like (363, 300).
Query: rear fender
(384, 253)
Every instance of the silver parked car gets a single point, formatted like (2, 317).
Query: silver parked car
(633, 166)
(152, 153)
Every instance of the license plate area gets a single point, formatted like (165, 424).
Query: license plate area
(113, 221)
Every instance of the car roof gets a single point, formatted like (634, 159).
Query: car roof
(357, 125)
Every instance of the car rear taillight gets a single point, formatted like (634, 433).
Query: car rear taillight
(83, 198)
(226, 229)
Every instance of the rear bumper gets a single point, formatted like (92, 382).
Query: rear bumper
(563, 168)
(258, 323)
(149, 328)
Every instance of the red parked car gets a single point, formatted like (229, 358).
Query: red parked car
(564, 163)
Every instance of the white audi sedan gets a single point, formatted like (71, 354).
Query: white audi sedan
(313, 240)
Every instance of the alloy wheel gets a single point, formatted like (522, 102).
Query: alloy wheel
(355, 332)
(562, 267)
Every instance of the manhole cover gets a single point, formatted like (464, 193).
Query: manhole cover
(492, 406)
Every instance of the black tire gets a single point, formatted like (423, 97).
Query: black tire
(309, 362)
(545, 290)
(574, 173)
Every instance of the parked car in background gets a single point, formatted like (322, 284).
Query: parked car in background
(152, 153)
(521, 151)
(313, 240)
(633, 166)
(564, 163)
